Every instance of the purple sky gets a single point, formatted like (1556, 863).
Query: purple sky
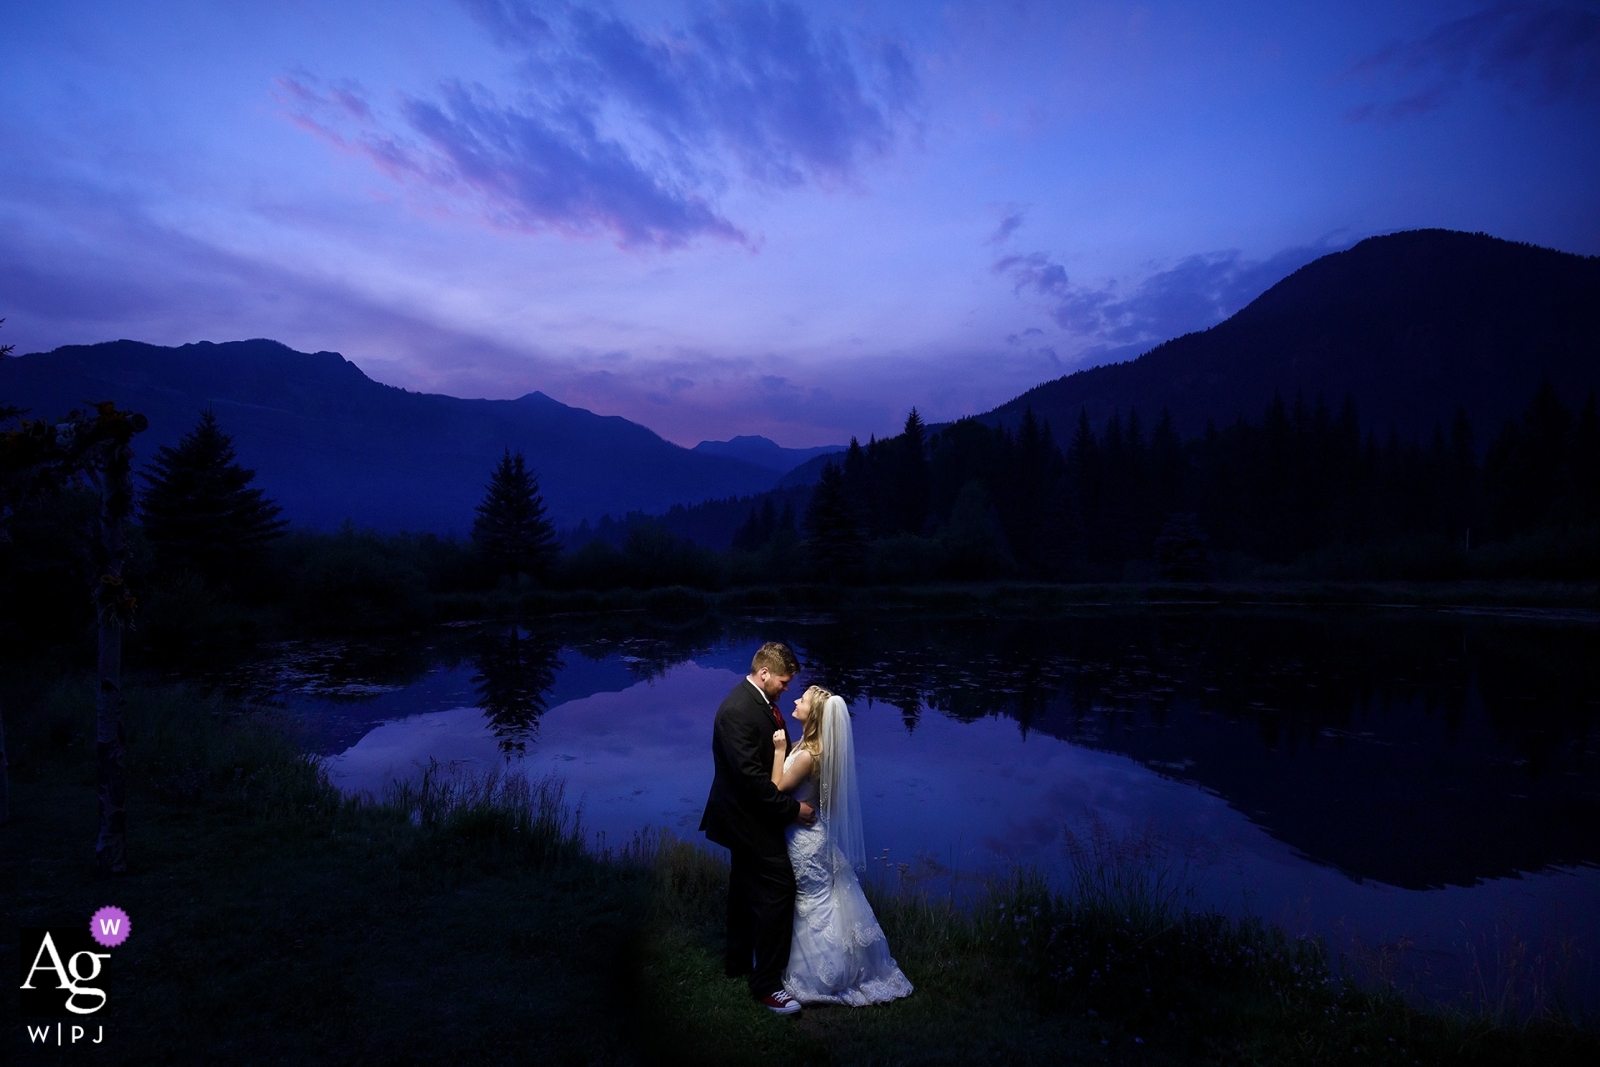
(792, 220)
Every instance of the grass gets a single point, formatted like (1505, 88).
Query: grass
(461, 920)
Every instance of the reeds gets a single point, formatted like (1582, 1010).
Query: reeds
(189, 748)
(1117, 940)
(495, 809)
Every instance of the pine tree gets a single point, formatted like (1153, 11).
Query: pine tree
(1586, 464)
(7, 411)
(511, 529)
(516, 672)
(913, 475)
(199, 509)
(747, 538)
(833, 538)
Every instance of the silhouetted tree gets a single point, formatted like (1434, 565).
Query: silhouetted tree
(973, 537)
(1586, 465)
(516, 671)
(199, 509)
(7, 412)
(912, 480)
(833, 535)
(760, 527)
(1526, 470)
(38, 459)
(511, 529)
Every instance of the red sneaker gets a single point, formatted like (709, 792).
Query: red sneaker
(780, 1002)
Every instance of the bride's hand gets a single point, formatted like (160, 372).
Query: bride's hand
(780, 740)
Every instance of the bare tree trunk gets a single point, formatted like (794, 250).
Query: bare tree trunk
(114, 606)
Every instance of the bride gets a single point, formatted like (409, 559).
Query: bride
(839, 955)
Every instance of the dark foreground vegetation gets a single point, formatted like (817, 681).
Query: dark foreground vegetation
(465, 921)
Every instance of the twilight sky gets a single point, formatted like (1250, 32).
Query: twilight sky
(795, 220)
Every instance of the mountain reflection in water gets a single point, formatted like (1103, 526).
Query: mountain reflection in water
(1320, 762)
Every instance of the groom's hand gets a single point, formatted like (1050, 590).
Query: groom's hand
(807, 816)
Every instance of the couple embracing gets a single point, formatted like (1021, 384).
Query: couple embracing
(798, 924)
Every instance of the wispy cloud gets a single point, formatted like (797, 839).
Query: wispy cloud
(1549, 50)
(1010, 224)
(630, 132)
(1197, 292)
(1035, 272)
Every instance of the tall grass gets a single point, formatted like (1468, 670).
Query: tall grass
(504, 811)
(1117, 942)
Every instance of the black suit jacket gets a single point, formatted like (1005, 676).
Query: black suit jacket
(745, 810)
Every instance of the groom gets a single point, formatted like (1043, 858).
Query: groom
(746, 814)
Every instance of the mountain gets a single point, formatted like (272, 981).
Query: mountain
(1413, 326)
(809, 472)
(764, 452)
(329, 443)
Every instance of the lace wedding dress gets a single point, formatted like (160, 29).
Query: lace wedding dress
(839, 954)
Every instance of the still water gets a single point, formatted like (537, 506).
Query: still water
(1421, 787)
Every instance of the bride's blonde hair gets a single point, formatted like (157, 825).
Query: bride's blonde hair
(811, 733)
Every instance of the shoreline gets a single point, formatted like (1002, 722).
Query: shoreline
(279, 920)
(682, 601)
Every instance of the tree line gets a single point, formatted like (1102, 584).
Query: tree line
(1300, 492)
(1300, 488)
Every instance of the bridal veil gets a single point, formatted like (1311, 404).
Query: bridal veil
(839, 792)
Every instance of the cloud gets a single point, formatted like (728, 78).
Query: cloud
(1196, 293)
(1008, 226)
(791, 104)
(1549, 50)
(555, 171)
(631, 133)
(1033, 271)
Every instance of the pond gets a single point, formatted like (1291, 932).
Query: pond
(1419, 786)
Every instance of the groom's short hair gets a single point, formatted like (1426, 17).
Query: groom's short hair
(775, 657)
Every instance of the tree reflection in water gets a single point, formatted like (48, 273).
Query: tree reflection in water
(516, 671)
(1420, 749)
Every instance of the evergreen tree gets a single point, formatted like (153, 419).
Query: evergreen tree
(747, 538)
(511, 530)
(1586, 465)
(516, 672)
(833, 538)
(973, 539)
(759, 528)
(7, 411)
(913, 475)
(1526, 469)
(199, 509)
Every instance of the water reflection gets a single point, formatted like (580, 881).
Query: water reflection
(516, 670)
(1419, 751)
(1409, 775)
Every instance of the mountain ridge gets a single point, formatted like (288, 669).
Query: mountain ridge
(330, 443)
(1411, 325)
(764, 452)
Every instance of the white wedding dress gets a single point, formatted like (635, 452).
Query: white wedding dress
(839, 954)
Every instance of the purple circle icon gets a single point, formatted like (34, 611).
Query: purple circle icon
(109, 926)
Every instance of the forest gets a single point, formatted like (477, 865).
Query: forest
(1299, 493)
